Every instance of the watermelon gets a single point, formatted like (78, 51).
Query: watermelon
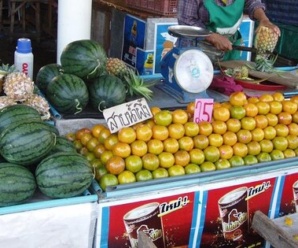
(26, 143)
(17, 184)
(84, 58)
(63, 145)
(63, 174)
(106, 91)
(68, 94)
(17, 113)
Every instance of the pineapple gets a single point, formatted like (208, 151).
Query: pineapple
(6, 101)
(40, 104)
(116, 67)
(265, 42)
(4, 70)
(18, 86)
(135, 85)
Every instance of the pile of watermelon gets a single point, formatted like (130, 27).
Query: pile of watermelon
(34, 156)
(81, 78)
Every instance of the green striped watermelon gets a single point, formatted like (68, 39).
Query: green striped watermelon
(106, 91)
(46, 74)
(17, 113)
(17, 184)
(68, 94)
(63, 145)
(63, 175)
(84, 58)
(26, 143)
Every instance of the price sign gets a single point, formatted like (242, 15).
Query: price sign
(203, 110)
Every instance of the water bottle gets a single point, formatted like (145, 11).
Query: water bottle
(23, 57)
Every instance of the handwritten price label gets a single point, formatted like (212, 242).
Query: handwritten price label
(203, 110)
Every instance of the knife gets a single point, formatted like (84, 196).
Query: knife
(247, 49)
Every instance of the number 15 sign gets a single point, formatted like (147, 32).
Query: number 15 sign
(203, 110)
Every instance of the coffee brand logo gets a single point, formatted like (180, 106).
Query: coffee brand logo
(169, 207)
(258, 189)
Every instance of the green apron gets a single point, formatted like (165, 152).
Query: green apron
(226, 20)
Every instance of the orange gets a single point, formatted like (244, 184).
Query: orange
(155, 146)
(200, 141)
(99, 172)
(219, 127)
(70, 136)
(253, 99)
(229, 138)
(266, 145)
(160, 173)
(143, 132)
(205, 128)
(150, 161)
(92, 143)
(163, 118)
(182, 157)
(289, 153)
(250, 159)
(77, 144)
(222, 164)
(105, 156)
(186, 143)
(179, 116)
(238, 98)
(192, 168)
(295, 117)
(215, 139)
(236, 161)
(257, 134)
(261, 121)
(248, 123)
(150, 123)
(237, 112)
(98, 150)
(126, 177)
(85, 138)
(103, 134)
(226, 151)
(264, 157)
(191, 129)
(171, 145)
(251, 109)
(216, 105)
(121, 149)
(263, 107)
(154, 110)
(294, 99)
(166, 159)
(207, 166)
(269, 132)
(244, 136)
(95, 130)
(293, 128)
(227, 105)
(90, 156)
(221, 114)
(110, 141)
(280, 143)
(176, 170)
(108, 180)
(272, 119)
(190, 109)
(139, 148)
(278, 96)
(212, 153)
(133, 163)
(275, 107)
(281, 130)
(196, 156)
(127, 135)
(284, 118)
(292, 141)
(80, 132)
(115, 165)
(254, 148)
(233, 125)
(176, 130)
(289, 106)
(240, 149)
(266, 98)
(144, 175)
(160, 132)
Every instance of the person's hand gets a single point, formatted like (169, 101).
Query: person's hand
(220, 42)
(267, 23)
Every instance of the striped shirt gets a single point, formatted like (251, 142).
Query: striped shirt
(194, 13)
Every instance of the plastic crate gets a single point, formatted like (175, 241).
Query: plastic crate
(158, 7)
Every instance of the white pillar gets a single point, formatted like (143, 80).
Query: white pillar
(74, 22)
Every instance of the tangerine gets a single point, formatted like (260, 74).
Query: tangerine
(182, 158)
(179, 116)
(163, 118)
(289, 106)
(133, 163)
(121, 149)
(226, 151)
(115, 165)
(144, 175)
(284, 118)
(150, 161)
(176, 170)
(139, 148)
(229, 138)
(233, 125)
(127, 135)
(251, 109)
(238, 98)
(221, 114)
(215, 139)
(95, 130)
(219, 127)
(160, 132)
(166, 159)
(205, 128)
(212, 153)
(155, 146)
(108, 180)
(176, 130)
(160, 173)
(110, 141)
(126, 177)
(200, 141)
(171, 145)
(186, 143)
(143, 132)
(240, 149)
(191, 129)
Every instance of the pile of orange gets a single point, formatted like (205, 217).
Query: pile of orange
(243, 131)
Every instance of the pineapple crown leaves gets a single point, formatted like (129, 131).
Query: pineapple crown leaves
(136, 86)
(6, 69)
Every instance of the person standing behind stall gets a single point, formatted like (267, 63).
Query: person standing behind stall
(223, 18)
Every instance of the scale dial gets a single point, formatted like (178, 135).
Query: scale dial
(193, 71)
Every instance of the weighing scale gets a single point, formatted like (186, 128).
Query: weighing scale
(188, 71)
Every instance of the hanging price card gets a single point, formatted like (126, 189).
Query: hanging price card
(203, 110)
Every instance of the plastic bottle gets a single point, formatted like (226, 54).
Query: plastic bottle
(23, 57)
